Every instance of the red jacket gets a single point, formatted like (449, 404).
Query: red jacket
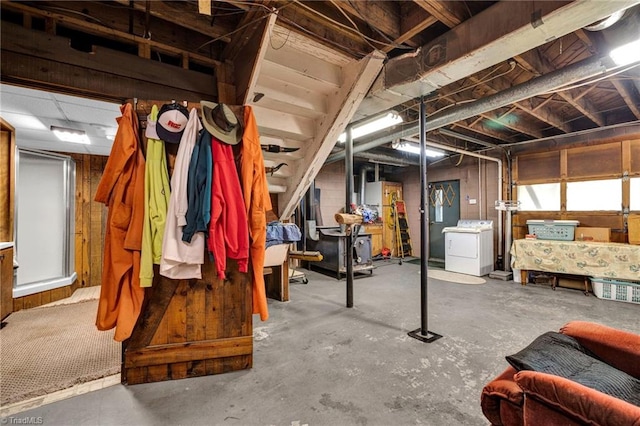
(121, 188)
(228, 230)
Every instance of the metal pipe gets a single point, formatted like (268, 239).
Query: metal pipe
(479, 188)
(348, 162)
(500, 180)
(468, 138)
(424, 222)
(546, 83)
(363, 181)
(423, 334)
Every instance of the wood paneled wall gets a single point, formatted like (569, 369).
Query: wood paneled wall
(89, 234)
(7, 179)
(579, 163)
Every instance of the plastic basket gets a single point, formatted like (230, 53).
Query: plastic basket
(621, 291)
(563, 230)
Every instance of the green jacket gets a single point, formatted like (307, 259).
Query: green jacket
(156, 201)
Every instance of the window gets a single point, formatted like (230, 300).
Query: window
(594, 195)
(439, 207)
(539, 197)
(45, 222)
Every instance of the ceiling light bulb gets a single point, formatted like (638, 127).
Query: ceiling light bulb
(626, 54)
(70, 135)
(366, 128)
(415, 149)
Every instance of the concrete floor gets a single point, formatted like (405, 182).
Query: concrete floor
(318, 363)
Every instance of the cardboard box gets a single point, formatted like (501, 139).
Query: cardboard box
(597, 235)
(634, 229)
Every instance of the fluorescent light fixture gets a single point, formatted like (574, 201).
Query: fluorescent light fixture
(626, 54)
(70, 135)
(366, 128)
(413, 148)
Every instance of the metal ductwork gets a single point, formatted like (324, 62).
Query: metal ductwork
(546, 83)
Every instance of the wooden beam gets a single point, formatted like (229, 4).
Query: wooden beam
(630, 98)
(190, 19)
(414, 21)
(449, 13)
(534, 62)
(103, 61)
(540, 112)
(189, 351)
(252, 22)
(357, 80)
(584, 106)
(327, 32)
(481, 129)
(109, 33)
(509, 121)
(248, 68)
(159, 297)
(382, 15)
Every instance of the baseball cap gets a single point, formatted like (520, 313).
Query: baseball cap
(172, 119)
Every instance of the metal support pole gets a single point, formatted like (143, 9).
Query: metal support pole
(422, 333)
(348, 166)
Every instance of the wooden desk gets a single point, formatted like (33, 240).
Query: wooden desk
(589, 259)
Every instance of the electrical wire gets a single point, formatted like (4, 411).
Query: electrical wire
(355, 53)
(355, 26)
(341, 25)
(374, 28)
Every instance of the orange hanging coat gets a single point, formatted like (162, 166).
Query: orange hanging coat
(122, 190)
(257, 203)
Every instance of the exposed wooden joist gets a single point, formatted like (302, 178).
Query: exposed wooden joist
(383, 15)
(327, 32)
(540, 112)
(250, 24)
(514, 122)
(53, 63)
(502, 31)
(450, 13)
(169, 11)
(481, 129)
(414, 21)
(109, 33)
(510, 120)
(537, 64)
(626, 92)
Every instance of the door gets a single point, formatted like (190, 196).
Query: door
(45, 222)
(444, 210)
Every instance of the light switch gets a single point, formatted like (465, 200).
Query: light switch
(473, 201)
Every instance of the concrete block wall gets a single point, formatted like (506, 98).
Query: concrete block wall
(332, 184)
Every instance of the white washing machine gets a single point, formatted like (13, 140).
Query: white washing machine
(469, 247)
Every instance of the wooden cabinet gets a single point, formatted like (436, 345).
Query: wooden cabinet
(382, 195)
(6, 282)
(7, 180)
(375, 230)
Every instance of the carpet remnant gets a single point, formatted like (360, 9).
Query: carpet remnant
(53, 348)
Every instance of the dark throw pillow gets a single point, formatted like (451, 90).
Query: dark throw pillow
(563, 356)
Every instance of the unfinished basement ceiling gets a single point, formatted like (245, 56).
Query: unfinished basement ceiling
(315, 66)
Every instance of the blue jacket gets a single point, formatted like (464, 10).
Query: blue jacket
(199, 188)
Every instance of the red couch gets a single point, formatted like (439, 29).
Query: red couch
(533, 398)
